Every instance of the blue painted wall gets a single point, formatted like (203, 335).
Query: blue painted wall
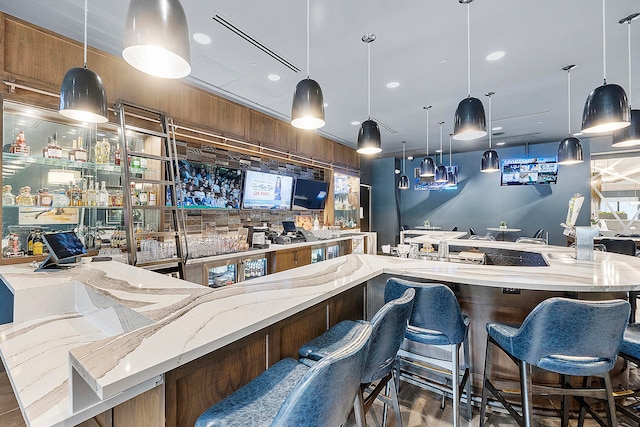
(6, 304)
(480, 201)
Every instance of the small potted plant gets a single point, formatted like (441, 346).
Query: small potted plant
(503, 224)
(427, 223)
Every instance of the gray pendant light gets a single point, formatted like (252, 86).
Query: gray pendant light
(490, 160)
(469, 121)
(82, 95)
(427, 167)
(606, 108)
(403, 184)
(369, 141)
(629, 136)
(307, 109)
(452, 177)
(570, 148)
(441, 170)
(156, 38)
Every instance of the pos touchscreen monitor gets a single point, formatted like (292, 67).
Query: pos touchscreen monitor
(64, 248)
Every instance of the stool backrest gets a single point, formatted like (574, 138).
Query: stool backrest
(325, 395)
(620, 246)
(567, 327)
(389, 326)
(435, 308)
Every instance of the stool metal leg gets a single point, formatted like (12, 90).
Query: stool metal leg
(611, 404)
(358, 409)
(488, 361)
(393, 393)
(455, 380)
(467, 368)
(566, 399)
(525, 389)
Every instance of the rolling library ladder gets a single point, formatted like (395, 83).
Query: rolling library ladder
(155, 229)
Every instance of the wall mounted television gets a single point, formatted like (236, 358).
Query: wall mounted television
(310, 194)
(529, 171)
(206, 186)
(266, 191)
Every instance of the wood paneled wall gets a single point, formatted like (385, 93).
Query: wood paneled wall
(39, 58)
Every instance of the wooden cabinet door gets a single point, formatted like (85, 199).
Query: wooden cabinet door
(287, 259)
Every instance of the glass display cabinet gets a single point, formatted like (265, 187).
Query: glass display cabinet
(346, 200)
(61, 175)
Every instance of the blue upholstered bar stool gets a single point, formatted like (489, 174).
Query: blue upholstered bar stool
(564, 336)
(436, 320)
(630, 350)
(389, 325)
(290, 393)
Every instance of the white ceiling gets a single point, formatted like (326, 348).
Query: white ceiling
(421, 44)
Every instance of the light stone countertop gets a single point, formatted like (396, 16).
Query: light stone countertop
(119, 326)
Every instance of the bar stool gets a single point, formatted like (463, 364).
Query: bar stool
(290, 393)
(388, 328)
(436, 320)
(564, 336)
(630, 351)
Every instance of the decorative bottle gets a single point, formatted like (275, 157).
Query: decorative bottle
(8, 198)
(103, 195)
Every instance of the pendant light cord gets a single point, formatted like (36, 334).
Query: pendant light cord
(86, 10)
(369, 78)
(440, 123)
(490, 94)
(469, 49)
(604, 42)
(629, 47)
(569, 100)
(403, 157)
(450, 155)
(427, 108)
(308, 71)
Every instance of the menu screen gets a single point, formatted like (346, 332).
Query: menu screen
(266, 191)
(529, 171)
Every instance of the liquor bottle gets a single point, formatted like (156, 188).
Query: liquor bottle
(72, 152)
(53, 150)
(60, 198)
(135, 162)
(143, 196)
(119, 199)
(83, 193)
(116, 157)
(79, 152)
(92, 194)
(105, 151)
(8, 198)
(45, 198)
(32, 233)
(153, 196)
(20, 146)
(142, 160)
(103, 195)
(76, 195)
(25, 198)
(134, 194)
(38, 243)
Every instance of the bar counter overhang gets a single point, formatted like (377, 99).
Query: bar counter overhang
(86, 339)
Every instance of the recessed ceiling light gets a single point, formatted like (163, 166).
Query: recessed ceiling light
(355, 123)
(393, 85)
(501, 143)
(494, 56)
(410, 158)
(273, 77)
(497, 128)
(444, 60)
(438, 151)
(326, 105)
(202, 38)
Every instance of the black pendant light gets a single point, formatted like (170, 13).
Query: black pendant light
(427, 166)
(490, 160)
(441, 170)
(452, 177)
(156, 38)
(369, 141)
(570, 148)
(82, 95)
(307, 109)
(629, 136)
(606, 108)
(403, 184)
(469, 121)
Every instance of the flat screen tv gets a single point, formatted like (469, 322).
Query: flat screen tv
(529, 171)
(63, 248)
(266, 191)
(206, 186)
(310, 194)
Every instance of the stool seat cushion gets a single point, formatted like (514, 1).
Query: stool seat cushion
(574, 365)
(258, 402)
(336, 337)
(631, 341)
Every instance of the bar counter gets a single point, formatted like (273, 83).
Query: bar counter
(87, 339)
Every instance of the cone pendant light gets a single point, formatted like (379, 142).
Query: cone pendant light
(156, 38)
(404, 179)
(82, 95)
(606, 108)
(307, 109)
(629, 136)
(570, 148)
(490, 161)
(469, 121)
(369, 141)
(441, 171)
(427, 167)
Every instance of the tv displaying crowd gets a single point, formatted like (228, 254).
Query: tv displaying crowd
(204, 185)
